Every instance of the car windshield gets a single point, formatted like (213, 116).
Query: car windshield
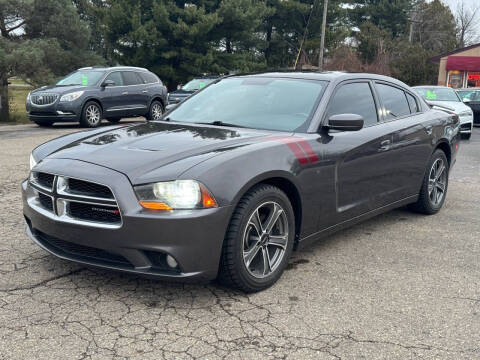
(83, 78)
(438, 94)
(253, 102)
(196, 84)
(469, 95)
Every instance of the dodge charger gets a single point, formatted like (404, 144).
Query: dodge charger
(231, 181)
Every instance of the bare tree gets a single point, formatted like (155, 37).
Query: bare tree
(466, 18)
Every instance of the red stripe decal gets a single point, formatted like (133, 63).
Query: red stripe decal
(300, 148)
(296, 149)
(312, 156)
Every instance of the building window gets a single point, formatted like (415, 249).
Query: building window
(455, 79)
(473, 79)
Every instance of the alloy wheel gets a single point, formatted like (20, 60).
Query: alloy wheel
(92, 115)
(157, 112)
(265, 239)
(437, 182)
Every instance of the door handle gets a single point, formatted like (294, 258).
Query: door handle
(144, 91)
(125, 93)
(429, 129)
(385, 145)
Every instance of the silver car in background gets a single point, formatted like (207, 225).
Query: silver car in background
(446, 97)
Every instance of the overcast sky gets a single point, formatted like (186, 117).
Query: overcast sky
(470, 4)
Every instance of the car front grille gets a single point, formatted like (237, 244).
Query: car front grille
(80, 252)
(43, 179)
(86, 188)
(74, 200)
(43, 98)
(93, 212)
(45, 201)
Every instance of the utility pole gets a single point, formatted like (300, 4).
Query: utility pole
(322, 40)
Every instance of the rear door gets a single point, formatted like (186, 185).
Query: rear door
(411, 146)
(362, 159)
(135, 99)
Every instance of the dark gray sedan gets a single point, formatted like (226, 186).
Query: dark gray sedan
(239, 175)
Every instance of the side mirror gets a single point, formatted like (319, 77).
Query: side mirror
(346, 122)
(108, 83)
(466, 101)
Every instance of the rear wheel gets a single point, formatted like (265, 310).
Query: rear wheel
(434, 186)
(91, 115)
(259, 240)
(156, 111)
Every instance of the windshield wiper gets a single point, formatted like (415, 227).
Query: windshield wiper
(221, 123)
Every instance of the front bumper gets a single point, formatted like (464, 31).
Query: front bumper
(56, 112)
(466, 124)
(140, 245)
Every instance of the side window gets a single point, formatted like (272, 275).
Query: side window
(148, 78)
(116, 77)
(394, 101)
(413, 104)
(354, 98)
(131, 78)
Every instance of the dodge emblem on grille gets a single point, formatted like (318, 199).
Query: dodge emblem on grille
(115, 211)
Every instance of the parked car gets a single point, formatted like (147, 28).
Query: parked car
(444, 96)
(270, 163)
(471, 97)
(189, 88)
(90, 94)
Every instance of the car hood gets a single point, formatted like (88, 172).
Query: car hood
(139, 151)
(458, 107)
(181, 92)
(61, 89)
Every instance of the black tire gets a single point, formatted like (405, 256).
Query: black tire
(425, 204)
(43, 123)
(233, 270)
(114, 120)
(88, 119)
(153, 111)
(466, 136)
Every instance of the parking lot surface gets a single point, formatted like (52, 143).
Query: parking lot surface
(400, 286)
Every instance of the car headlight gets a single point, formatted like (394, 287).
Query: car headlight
(466, 113)
(33, 162)
(28, 96)
(71, 96)
(175, 195)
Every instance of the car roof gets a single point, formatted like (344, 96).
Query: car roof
(333, 76)
(109, 68)
(431, 87)
(468, 89)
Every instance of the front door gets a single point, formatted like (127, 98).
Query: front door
(362, 159)
(114, 99)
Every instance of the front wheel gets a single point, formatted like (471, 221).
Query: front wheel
(434, 186)
(259, 240)
(156, 111)
(91, 115)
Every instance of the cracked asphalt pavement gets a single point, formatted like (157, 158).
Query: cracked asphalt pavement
(400, 286)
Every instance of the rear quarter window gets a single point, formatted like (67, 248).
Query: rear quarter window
(148, 78)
